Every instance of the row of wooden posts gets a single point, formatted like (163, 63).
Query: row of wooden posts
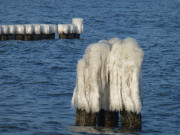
(129, 120)
(30, 32)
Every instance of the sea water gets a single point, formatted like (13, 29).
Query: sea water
(37, 78)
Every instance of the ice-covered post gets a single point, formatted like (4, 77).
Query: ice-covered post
(36, 32)
(44, 31)
(124, 67)
(4, 32)
(63, 30)
(19, 32)
(11, 32)
(28, 32)
(108, 81)
(53, 30)
(78, 23)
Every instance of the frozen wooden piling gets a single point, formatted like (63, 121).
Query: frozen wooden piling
(4, 32)
(36, 32)
(11, 32)
(71, 31)
(19, 32)
(130, 120)
(28, 32)
(108, 82)
(53, 30)
(84, 118)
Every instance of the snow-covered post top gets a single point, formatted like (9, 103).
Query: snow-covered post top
(11, 29)
(4, 29)
(19, 29)
(78, 23)
(65, 28)
(44, 28)
(36, 28)
(28, 29)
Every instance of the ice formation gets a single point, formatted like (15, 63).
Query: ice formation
(36, 28)
(108, 76)
(91, 85)
(28, 29)
(78, 23)
(11, 29)
(19, 29)
(66, 28)
(4, 29)
(45, 28)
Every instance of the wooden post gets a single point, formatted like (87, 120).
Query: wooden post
(36, 32)
(10, 36)
(108, 118)
(4, 32)
(28, 37)
(130, 120)
(85, 119)
(28, 32)
(19, 34)
(4, 37)
(51, 36)
(11, 32)
(63, 36)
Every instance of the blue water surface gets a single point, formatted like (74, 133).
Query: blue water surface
(37, 78)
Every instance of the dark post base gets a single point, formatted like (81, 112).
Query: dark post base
(19, 36)
(69, 36)
(130, 120)
(108, 118)
(28, 37)
(52, 36)
(85, 119)
(4, 37)
(44, 36)
(36, 37)
(11, 36)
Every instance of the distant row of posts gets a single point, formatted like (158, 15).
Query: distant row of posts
(30, 32)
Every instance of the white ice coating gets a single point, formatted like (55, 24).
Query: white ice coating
(45, 28)
(28, 29)
(66, 28)
(78, 22)
(108, 76)
(4, 29)
(91, 91)
(11, 29)
(19, 29)
(36, 28)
